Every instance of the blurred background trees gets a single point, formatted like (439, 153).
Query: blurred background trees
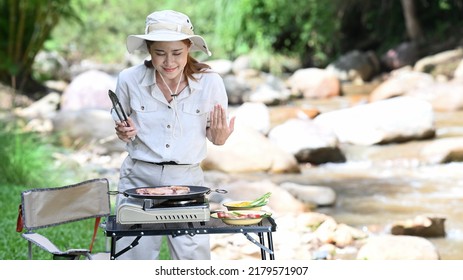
(24, 28)
(315, 32)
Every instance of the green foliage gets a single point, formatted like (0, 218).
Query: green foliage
(24, 27)
(380, 25)
(314, 31)
(26, 162)
(266, 29)
(24, 157)
(232, 28)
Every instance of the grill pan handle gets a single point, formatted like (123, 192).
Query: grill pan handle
(117, 192)
(222, 191)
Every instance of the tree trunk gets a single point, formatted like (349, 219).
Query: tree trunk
(413, 26)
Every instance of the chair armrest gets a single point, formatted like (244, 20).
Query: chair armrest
(45, 244)
(42, 242)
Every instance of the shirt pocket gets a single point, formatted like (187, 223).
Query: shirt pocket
(146, 114)
(197, 113)
(145, 105)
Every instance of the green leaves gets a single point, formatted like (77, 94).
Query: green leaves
(24, 158)
(261, 201)
(24, 27)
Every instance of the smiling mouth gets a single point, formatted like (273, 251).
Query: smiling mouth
(170, 70)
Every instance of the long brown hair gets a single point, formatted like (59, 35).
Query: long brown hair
(192, 66)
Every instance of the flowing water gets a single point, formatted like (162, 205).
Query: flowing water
(373, 197)
(379, 185)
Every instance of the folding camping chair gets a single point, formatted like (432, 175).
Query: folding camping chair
(49, 207)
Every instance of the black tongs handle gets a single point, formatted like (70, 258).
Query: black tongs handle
(117, 107)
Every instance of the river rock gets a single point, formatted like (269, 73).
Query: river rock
(221, 66)
(443, 150)
(268, 95)
(283, 113)
(443, 96)
(404, 54)
(89, 128)
(315, 195)
(420, 226)
(280, 201)
(458, 74)
(248, 150)
(442, 63)
(237, 89)
(390, 247)
(307, 141)
(253, 114)
(88, 90)
(314, 83)
(355, 66)
(400, 82)
(392, 120)
(43, 108)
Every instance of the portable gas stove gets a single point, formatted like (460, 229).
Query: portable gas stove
(152, 211)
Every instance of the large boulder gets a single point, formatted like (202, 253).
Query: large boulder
(355, 66)
(253, 114)
(307, 141)
(391, 247)
(314, 83)
(443, 96)
(280, 201)
(443, 150)
(90, 128)
(313, 195)
(393, 120)
(248, 150)
(404, 54)
(400, 83)
(424, 226)
(443, 63)
(88, 90)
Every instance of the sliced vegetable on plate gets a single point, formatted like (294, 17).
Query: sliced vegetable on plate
(255, 204)
(244, 217)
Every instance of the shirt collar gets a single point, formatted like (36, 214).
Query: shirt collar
(149, 78)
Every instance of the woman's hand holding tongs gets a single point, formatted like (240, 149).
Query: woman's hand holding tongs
(126, 130)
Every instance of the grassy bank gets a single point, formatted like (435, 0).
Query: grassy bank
(26, 162)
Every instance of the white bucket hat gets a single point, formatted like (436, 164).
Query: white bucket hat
(166, 26)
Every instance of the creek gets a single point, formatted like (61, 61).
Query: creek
(383, 184)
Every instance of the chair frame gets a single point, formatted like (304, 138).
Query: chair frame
(49, 207)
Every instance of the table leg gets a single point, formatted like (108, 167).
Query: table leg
(115, 255)
(270, 245)
(262, 241)
(113, 248)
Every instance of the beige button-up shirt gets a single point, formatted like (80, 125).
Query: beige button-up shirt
(173, 131)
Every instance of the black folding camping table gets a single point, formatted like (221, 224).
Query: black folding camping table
(116, 231)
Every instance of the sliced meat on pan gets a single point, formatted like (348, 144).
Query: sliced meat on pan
(170, 190)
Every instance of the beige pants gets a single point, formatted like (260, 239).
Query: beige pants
(136, 174)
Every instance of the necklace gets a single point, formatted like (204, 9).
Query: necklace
(168, 88)
(174, 105)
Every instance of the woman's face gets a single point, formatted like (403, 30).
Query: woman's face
(169, 58)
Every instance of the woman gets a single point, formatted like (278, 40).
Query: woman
(174, 104)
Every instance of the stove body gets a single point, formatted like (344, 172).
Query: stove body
(152, 211)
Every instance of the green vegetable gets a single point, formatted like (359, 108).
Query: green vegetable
(250, 215)
(261, 201)
(238, 214)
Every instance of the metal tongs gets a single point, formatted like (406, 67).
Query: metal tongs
(118, 108)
